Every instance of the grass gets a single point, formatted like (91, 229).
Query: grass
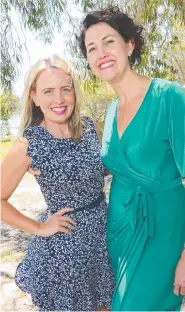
(7, 139)
(11, 256)
(5, 147)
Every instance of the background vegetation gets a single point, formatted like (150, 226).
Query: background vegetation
(164, 57)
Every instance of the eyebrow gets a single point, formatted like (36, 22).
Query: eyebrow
(101, 39)
(48, 88)
(51, 88)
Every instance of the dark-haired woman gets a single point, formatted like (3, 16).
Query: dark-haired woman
(144, 149)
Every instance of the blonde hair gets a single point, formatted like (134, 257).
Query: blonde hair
(32, 114)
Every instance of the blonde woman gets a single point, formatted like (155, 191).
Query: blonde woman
(66, 266)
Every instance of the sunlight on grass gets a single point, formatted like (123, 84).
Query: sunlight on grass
(11, 256)
(5, 147)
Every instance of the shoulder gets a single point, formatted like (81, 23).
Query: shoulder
(87, 123)
(111, 113)
(31, 132)
(87, 120)
(18, 151)
(172, 94)
(20, 145)
(112, 106)
(35, 135)
(169, 87)
(92, 122)
(38, 140)
(93, 127)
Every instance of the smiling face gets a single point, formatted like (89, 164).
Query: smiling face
(107, 52)
(54, 95)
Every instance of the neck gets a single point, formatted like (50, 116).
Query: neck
(58, 130)
(129, 84)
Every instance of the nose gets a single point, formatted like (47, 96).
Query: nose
(59, 97)
(102, 52)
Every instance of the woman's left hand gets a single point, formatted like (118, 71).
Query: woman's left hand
(179, 282)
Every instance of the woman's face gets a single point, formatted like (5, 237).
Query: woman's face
(107, 52)
(54, 94)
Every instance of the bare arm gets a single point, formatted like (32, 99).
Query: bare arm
(13, 169)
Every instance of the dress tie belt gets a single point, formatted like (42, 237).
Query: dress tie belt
(141, 202)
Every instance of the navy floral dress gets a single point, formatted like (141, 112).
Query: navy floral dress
(69, 272)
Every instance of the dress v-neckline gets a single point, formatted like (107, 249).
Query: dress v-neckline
(135, 115)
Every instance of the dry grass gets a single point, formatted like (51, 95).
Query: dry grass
(5, 147)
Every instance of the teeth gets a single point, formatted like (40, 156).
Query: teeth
(58, 109)
(107, 64)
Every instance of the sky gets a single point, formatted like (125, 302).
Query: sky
(38, 49)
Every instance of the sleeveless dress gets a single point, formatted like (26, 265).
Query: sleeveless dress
(146, 213)
(69, 272)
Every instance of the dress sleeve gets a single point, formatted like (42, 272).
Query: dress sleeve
(176, 117)
(32, 147)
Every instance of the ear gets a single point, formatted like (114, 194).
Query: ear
(33, 97)
(131, 45)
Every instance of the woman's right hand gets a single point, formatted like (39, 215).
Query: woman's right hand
(57, 223)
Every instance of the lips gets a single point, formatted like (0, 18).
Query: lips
(107, 64)
(59, 110)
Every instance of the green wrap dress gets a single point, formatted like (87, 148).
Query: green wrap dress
(146, 214)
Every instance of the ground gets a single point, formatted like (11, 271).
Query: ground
(28, 199)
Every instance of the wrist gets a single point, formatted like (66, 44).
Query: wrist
(39, 229)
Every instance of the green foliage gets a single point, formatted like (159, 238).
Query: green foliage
(42, 17)
(9, 105)
(164, 22)
(8, 138)
(4, 111)
(96, 97)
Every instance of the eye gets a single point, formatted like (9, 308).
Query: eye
(48, 91)
(91, 50)
(66, 90)
(109, 41)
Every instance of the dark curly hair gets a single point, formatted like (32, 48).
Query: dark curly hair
(122, 23)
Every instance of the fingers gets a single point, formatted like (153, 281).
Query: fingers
(182, 291)
(66, 225)
(179, 290)
(67, 219)
(176, 290)
(63, 210)
(64, 230)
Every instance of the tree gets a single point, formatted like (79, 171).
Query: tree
(164, 22)
(43, 17)
(96, 97)
(9, 105)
